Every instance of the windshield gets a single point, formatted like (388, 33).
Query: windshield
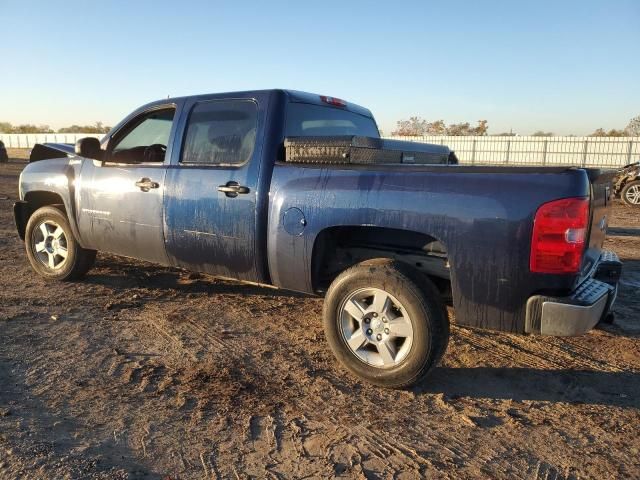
(306, 120)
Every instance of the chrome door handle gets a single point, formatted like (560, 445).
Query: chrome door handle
(145, 184)
(232, 189)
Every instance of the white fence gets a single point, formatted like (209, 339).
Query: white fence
(28, 140)
(609, 152)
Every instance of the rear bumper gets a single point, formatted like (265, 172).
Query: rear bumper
(583, 309)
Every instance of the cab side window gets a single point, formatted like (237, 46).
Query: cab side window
(145, 140)
(220, 132)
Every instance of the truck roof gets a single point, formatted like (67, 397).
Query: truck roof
(293, 96)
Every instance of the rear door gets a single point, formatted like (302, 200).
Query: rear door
(212, 189)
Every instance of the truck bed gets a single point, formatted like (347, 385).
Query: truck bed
(482, 215)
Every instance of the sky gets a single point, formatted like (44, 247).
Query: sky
(567, 67)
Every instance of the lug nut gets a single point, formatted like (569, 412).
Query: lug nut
(379, 337)
(369, 331)
(384, 319)
(386, 330)
(375, 314)
(367, 320)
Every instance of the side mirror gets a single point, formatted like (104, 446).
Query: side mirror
(89, 147)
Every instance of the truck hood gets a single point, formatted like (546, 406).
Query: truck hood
(45, 151)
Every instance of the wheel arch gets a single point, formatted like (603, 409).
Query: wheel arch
(35, 199)
(338, 248)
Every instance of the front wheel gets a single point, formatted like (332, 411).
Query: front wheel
(630, 193)
(52, 249)
(385, 323)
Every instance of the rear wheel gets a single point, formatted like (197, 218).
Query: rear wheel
(385, 323)
(630, 193)
(52, 249)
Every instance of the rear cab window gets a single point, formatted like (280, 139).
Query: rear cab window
(308, 120)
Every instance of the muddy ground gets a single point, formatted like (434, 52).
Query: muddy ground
(149, 372)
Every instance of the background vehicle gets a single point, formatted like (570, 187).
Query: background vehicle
(4, 157)
(298, 191)
(627, 184)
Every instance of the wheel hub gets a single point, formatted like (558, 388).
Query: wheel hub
(50, 244)
(376, 327)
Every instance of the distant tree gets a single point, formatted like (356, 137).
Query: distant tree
(72, 129)
(481, 129)
(633, 129)
(98, 127)
(417, 126)
(413, 127)
(504, 134)
(29, 128)
(540, 133)
(458, 129)
(462, 129)
(436, 128)
(601, 132)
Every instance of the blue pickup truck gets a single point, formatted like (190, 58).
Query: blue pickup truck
(299, 191)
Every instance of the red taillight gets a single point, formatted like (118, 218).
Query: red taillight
(559, 234)
(336, 102)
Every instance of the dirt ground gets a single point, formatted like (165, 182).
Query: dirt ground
(142, 371)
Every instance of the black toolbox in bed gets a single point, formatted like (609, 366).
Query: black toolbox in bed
(364, 150)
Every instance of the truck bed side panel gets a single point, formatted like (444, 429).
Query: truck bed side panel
(483, 218)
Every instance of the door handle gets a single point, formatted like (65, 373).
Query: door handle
(232, 189)
(145, 184)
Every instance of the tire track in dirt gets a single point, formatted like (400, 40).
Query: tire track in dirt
(379, 448)
(405, 454)
(200, 337)
(551, 352)
(186, 339)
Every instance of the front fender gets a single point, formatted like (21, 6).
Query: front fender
(48, 182)
(21, 215)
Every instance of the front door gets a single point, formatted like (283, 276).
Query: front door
(210, 199)
(120, 207)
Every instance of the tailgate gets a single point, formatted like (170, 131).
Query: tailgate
(601, 198)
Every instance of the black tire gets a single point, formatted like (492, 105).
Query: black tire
(78, 260)
(635, 186)
(419, 298)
